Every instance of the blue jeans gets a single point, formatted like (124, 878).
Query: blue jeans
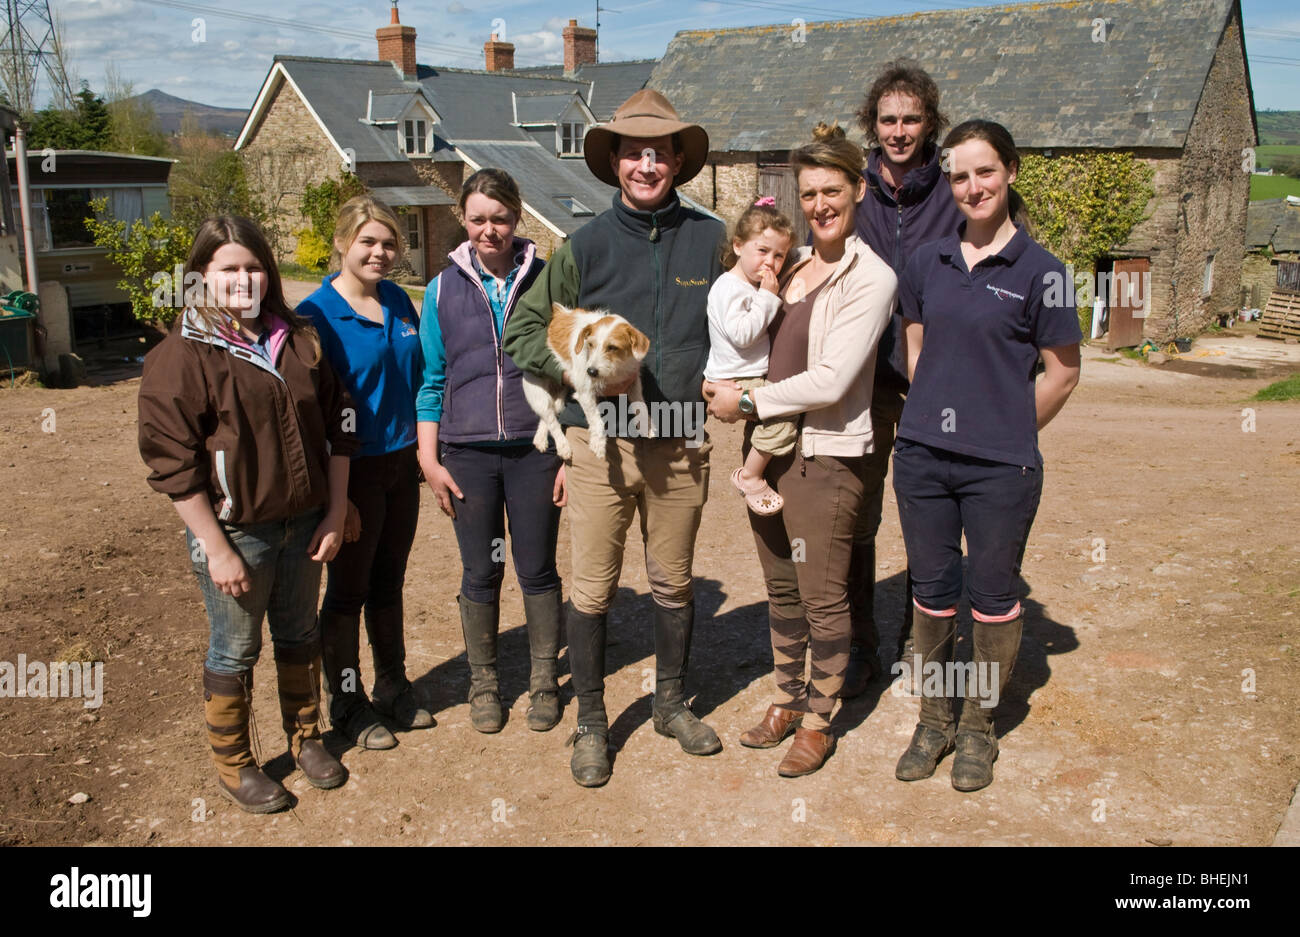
(942, 495)
(500, 483)
(285, 589)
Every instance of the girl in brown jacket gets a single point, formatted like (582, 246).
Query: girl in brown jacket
(249, 433)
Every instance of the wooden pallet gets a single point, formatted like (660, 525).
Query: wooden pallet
(1281, 318)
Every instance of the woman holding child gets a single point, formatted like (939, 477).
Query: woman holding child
(835, 301)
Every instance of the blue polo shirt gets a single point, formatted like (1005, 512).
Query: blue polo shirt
(380, 364)
(973, 391)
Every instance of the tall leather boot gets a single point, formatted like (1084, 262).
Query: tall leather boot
(297, 669)
(934, 639)
(864, 659)
(672, 717)
(479, 623)
(227, 705)
(349, 708)
(590, 762)
(394, 696)
(994, 645)
(542, 614)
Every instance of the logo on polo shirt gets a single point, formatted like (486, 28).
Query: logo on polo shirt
(1003, 294)
(408, 329)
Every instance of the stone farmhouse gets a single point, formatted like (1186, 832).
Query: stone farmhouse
(412, 133)
(1164, 79)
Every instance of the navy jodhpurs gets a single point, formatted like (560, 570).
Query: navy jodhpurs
(942, 495)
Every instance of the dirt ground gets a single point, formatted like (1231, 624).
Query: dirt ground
(1154, 702)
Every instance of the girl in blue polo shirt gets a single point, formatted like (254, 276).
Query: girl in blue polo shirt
(370, 333)
(980, 308)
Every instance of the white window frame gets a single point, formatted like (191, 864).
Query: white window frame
(1207, 281)
(416, 136)
(575, 130)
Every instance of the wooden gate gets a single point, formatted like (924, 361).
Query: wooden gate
(1129, 299)
(776, 180)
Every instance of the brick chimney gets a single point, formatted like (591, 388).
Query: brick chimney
(397, 45)
(499, 56)
(579, 47)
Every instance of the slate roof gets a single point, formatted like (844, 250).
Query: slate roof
(542, 108)
(412, 195)
(1273, 223)
(1033, 67)
(611, 83)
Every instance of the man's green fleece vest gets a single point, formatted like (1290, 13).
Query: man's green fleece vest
(655, 270)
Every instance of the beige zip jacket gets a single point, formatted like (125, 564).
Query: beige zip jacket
(848, 318)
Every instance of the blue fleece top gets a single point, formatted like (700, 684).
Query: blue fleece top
(380, 364)
(428, 404)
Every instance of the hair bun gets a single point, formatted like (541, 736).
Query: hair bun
(824, 133)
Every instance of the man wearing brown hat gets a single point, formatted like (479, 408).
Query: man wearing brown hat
(652, 260)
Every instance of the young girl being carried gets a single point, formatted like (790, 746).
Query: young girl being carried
(742, 304)
(245, 427)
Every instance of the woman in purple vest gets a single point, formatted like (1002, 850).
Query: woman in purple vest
(475, 447)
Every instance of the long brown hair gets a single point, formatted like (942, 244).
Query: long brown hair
(213, 234)
(998, 137)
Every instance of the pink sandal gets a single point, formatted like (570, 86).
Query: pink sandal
(763, 501)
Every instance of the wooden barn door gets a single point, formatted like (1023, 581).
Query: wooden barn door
(1130, 302)
(776, 180)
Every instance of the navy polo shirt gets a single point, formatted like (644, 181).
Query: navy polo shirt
(973, 391)
(382, 366)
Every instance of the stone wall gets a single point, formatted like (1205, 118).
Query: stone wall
(727, 185)
(1213, 191)
(286, 152)
(1260, 270)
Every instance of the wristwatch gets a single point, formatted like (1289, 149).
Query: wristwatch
(746, 402)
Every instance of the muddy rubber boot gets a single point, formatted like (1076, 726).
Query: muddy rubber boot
(478, 623)
(298, 674)
(542, 613)
(349, 708)
(672, 717)
(933, 638)
(590, 764)
(227, 702)
(977, 745)
(394, 697)
(864, 652)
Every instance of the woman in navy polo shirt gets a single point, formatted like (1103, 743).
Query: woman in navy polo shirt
(369, 331)
(979, 309)
(476, 450)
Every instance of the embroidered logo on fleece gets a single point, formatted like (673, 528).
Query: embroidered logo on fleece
(1003, 294)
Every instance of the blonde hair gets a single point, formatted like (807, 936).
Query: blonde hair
(830, 149)
(356, 213)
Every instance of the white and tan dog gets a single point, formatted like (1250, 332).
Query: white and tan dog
(598, 349)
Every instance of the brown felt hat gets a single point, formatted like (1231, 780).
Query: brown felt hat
(646, 114)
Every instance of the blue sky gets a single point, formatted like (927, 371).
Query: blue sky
(153, 42)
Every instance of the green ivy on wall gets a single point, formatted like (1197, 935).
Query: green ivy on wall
(320, 205)
(1084, 205)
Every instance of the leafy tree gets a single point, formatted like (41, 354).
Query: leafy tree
(1084, 205)
(148, 255)
(321, 203)
(88, 126)
(208, 179)
(134, 124)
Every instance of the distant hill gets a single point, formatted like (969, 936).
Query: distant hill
(226, 121)
(1277, 127)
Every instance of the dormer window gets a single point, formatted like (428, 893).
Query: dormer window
(416, 137)
(571, 133)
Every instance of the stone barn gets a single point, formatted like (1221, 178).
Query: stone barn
(1166, 80)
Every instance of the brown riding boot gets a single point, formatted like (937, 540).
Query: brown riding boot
(995, 645)
(227, 701)
(298, 670)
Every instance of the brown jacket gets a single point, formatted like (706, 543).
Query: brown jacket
(215, 416)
